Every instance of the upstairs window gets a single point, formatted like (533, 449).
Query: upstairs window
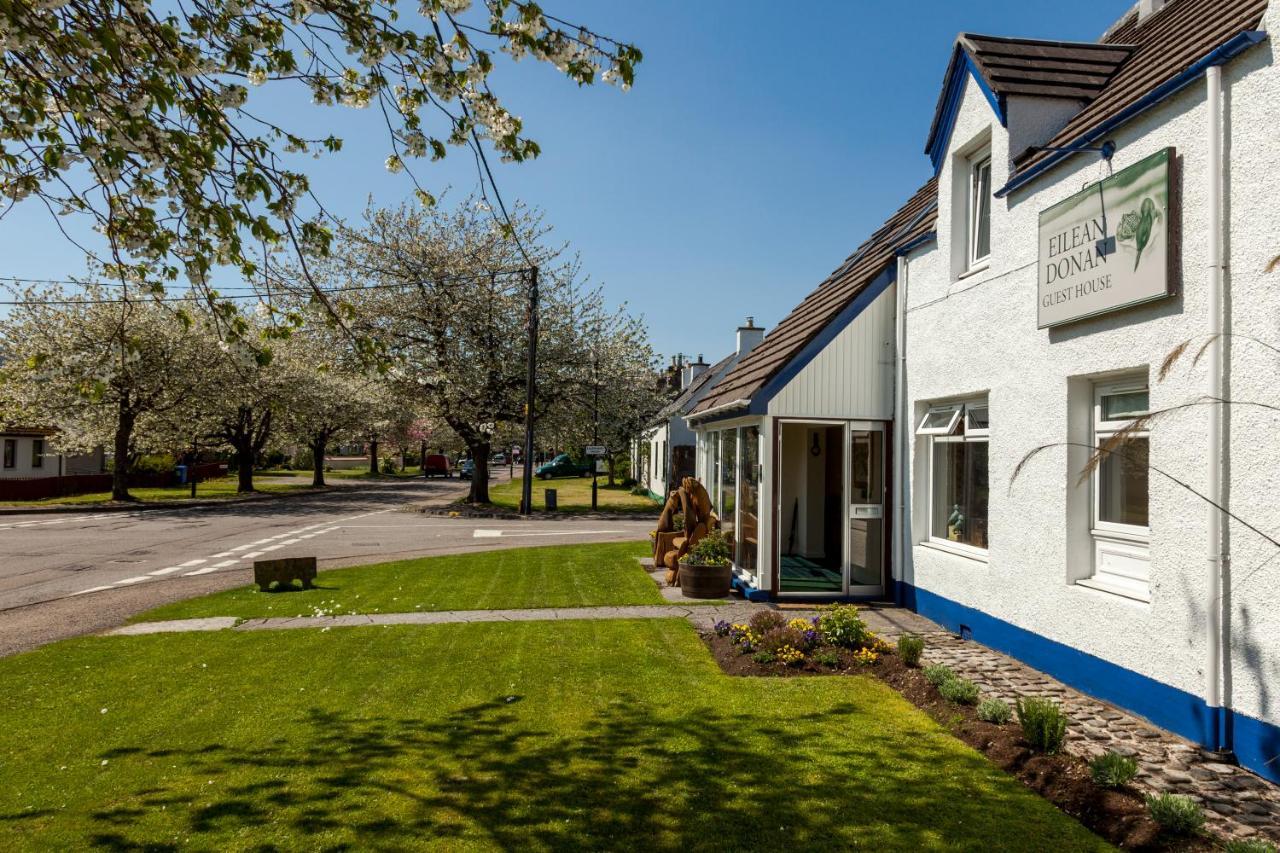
(979, 209)
(958, 435)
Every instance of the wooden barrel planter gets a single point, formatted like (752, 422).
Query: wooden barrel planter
(705, 581)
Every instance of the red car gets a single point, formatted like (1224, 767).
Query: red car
(436, 465)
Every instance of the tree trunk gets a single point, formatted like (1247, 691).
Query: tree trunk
(244, 467)
(480, 474)
(373, 456)
(422, 459)
(612, 461)
(124, 437)
(319, 444)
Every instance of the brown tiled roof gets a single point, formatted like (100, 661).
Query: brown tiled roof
(1048, 69)
(914, 219)
(1165, 45)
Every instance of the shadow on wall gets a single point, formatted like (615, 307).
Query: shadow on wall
(489, 775)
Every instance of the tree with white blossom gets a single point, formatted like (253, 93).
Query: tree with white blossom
(137, 114)
(103, 371)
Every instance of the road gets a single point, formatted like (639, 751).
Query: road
(64, 575)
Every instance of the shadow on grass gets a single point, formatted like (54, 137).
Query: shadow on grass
(627, 777)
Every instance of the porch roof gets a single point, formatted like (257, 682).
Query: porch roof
(743, 383)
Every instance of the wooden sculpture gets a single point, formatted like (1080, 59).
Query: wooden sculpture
(669, 543)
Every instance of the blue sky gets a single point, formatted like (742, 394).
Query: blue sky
(761, 143)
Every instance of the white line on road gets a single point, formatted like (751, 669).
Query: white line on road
(190, 563)
(485, 534)
(493, 534)
(170, 570)
(251, 555)
(91, 589)
(138, 579)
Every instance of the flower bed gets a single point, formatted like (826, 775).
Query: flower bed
(837, 642)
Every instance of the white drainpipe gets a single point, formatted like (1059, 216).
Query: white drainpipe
(1213, 638)
(901, 545)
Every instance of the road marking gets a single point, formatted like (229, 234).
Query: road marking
(251, 555)
(293, 541)
(190, 563)
(485, 534)
(138, 579)
(493, 534)
(158, 572)
(91, 589)
(212, 568)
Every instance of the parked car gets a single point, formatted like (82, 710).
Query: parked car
(436, 465)
(562, 466)
(467, 468)
(498, 459)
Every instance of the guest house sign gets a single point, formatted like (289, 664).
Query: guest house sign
(1107, 247)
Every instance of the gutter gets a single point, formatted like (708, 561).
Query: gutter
(740, 403)
(1229, 50)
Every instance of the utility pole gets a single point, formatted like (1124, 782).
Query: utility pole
(526, 497)
(595, 416)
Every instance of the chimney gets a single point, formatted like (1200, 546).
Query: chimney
(1147, 8)
(693, 370)
(749, 336)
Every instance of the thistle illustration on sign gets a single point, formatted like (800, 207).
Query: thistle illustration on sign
(1136, 227)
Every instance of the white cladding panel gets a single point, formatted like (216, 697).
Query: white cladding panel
(852, 377)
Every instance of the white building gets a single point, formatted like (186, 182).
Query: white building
(664, 454)
(922, 425)
(26, 454)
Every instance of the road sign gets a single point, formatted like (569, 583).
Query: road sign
(597, 450)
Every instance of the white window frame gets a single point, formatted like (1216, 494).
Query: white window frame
(1102, 430)
(955, 433)
(978, 162)
(955, 410)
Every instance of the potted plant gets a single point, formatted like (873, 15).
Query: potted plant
(706, 571)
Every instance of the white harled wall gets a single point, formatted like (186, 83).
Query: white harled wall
(978, 335)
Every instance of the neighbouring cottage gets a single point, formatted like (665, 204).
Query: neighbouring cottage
(664, 454)
(923, 426)
(27, 455)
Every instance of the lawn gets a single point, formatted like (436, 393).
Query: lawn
(556, 576)
(573, 494)
(538, 736)
(222, 487)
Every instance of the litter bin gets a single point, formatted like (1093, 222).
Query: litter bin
(549, 499)
(182, 475)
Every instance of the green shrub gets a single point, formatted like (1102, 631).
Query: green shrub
(959, 690)
(910, 648)
(937, 674)
(840, 625)
(827, 657)
(304, 459)
(766, 621)
(995, 711)
(1043, 724)
(1113, 770)
(763, 657)
(1176, 813)
(711, 550)
(640, 492)
(1250, 845)
(627, 482)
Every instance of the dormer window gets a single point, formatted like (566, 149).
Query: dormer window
(979, 207)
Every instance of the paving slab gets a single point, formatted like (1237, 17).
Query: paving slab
(211, 623)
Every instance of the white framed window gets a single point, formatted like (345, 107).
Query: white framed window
(1119, 486)
(979, 218)
(958, 435)
(37, 453)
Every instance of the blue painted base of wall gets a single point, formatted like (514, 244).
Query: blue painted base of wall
(1256, 743)
(749, 592)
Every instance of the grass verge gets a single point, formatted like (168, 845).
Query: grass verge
(222, 487)
(518, 578)
(573, 495)
(531, 736)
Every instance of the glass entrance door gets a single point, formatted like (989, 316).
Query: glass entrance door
(866, 509)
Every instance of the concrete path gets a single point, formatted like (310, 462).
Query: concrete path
(887, 621)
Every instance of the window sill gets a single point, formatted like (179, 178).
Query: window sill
(975, 554)
(977, 269)
(1135, 537)
(1129, 594)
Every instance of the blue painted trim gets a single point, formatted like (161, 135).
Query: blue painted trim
(1230, 49)
(961, 66)
(749, 592)
(912, 245)
(760, 400)
(1256, 743)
